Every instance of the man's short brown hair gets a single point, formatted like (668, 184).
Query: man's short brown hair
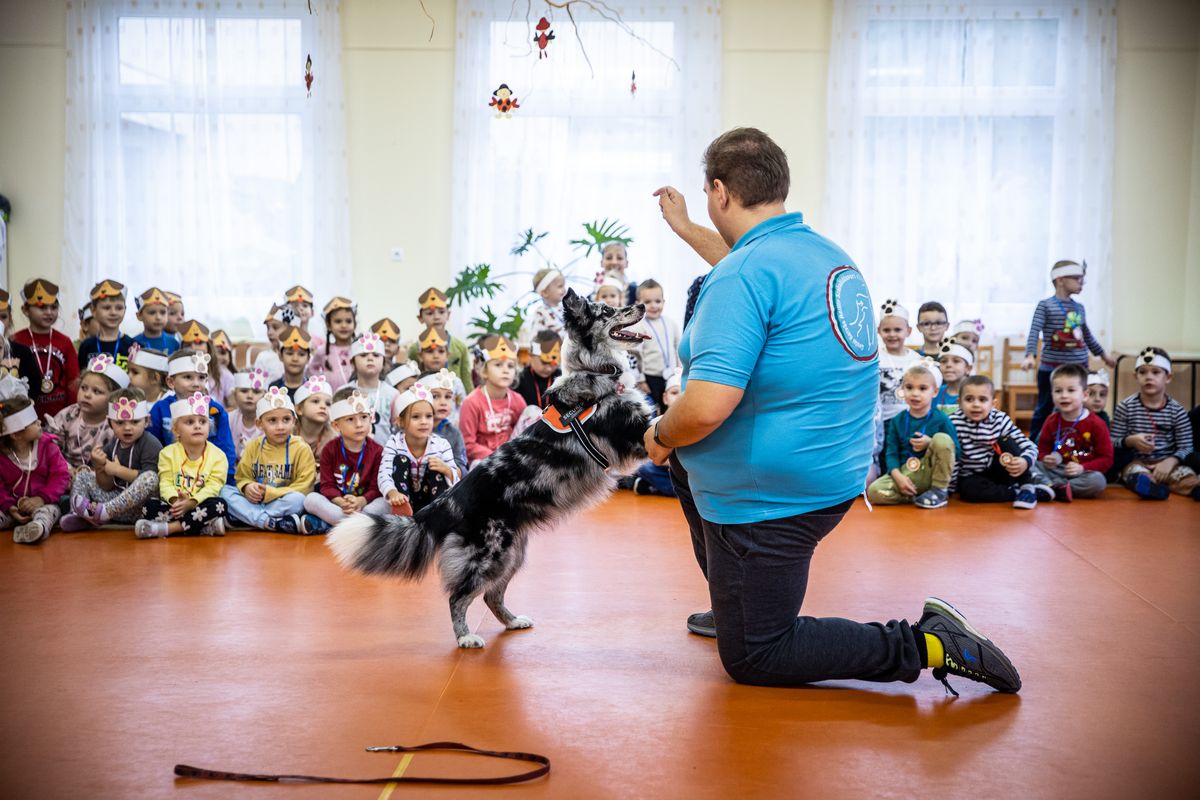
(750, 164)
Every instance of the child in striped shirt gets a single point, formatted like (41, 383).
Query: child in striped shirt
(997, 459)
(1156, 428)
(1066, 338)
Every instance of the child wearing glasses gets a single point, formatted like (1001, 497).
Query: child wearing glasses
(932, 322)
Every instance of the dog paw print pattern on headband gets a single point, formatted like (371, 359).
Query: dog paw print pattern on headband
(367, 343)
(126, 409)
(314, 385)
(1149, 358)
(892, 308)
(256, 379)
(274, 399)
(103, 364)
(194, 406)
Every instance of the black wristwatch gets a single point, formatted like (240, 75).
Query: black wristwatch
(659, 441)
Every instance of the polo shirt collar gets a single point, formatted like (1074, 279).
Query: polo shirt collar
(768, 226)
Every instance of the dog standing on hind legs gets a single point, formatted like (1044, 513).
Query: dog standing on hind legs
(479, 529)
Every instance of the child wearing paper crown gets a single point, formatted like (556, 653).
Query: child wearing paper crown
(1097, 395)
(1156, 428)
(53, 351)
(403, 376)
(389, 331)
(418, 465)
(124, 473)
(489, 413)
(175, 315)
(278, 319)
(542, 369)
(894, 360)
(195, 335)
(349, 468)
(275, 472)
(441, 386)
(148, 372)
(249, 386)
(83, 426)
(434, 312)
(295, 351)
(366, 356)
(300, 300)
(1066, 339)
(332, 358)
(224, 366)
(33, 473)
(108, 312)
(6, 309)
(187, 375)
(152, 306)
(191, 472)
(966, 333)
(434, 357)
(313, 400)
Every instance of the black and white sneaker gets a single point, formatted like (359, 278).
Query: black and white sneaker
(702, 624)
(288, 524)
(969, 654)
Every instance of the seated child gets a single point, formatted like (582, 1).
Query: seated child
(349, 466)
(490, 412)
(542, 369)
(956, 362)
(967, 333)
(894, 361)
(417, 464)
(997, 459)
(389, 331)
(366, 357)
(17, 361)
(124, 473)
(295, 351)
(187, 375)
(920, 429)
(659, 354)
(313, 400)
(1156, 428)
(249, 386)
(87, 324)
(614, 261)
(276, 471)
(107, 307)
(223, 387)
(53, 351)
(195, 334)
(435, 313)
(148, 372)
(191, 472)
(33, 473)
(403, 376)
(175, 315)
(1074, 450)
(152, 306)
(433, 357)
(932, 322)
(651, 478)
(83, 426)
(332, 357)
(1097, 395)
(546, 315)
(441, 391)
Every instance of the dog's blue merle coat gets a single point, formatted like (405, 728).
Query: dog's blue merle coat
(479, 529)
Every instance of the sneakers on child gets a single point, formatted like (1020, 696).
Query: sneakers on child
(31, 532)
(642, 486)
(214, 527)
(288, 524)
(1026, 496)
(1044, 491)
(81, 506)
(72, 523)
(311, 525)
(1146, 488)
(149, 529)
(702, 624)
(932, 498)
(100, 515)
(1062, 492)
(969, 654)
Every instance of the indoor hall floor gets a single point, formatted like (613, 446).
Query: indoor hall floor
(257, 653)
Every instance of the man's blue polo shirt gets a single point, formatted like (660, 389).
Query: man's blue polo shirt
(787, 318)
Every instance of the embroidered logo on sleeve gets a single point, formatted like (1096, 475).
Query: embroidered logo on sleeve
(850, 312)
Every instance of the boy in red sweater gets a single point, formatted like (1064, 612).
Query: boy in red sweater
(1074, 448)
(349, 480)
(54, 352)
(489, 413)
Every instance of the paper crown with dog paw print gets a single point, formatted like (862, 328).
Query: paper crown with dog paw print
(194, 362)
(194, 406)
(1098, 378)
(194, 334)
(298, 294)
(402, 373)
(337, 303)
(295, 339)
(349, 406)
(126, 409)
(220, 340)
(974, 326)
(414, 394)
(1068, 269)
(892, 308)
(281, 313)
(39, 292)
(442, 379)
(151, 297)
(313, 386)
(104, 364)
(950, 348)
(141, 357)
(107, 289)
(255, 378)
(274, 399)
(430, 338)
(495, 347)
(1150, 358)
(367, 343)
(387, 330)
(433, 298)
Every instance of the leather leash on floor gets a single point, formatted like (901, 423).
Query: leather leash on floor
(186, 771)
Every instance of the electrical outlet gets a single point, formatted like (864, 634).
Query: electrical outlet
(397, 254)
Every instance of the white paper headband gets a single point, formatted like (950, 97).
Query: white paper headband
(1071, 270)
(148, 360)
(548, 279)
(21, 420)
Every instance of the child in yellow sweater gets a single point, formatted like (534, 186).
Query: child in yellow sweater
(275, 472)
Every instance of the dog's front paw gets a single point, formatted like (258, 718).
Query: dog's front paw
(470, 641)
(519, 623)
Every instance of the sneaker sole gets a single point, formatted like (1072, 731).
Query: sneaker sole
(1024, 505)
(927, 507)
(947, 610)
(700, 630)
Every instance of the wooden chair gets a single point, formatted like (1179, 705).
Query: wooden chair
(985, 361)
(1019, 397)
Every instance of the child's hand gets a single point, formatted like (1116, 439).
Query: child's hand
(28, 505)
(904, 483)
(181, 505)
(1028, 363)
(395, 498)
(355, 504)
(1052, 459)
(644, 387)
(437, 465)
(99, 460)
(1072, 469)
(919, 443)
(344, 503)
(1140, 442)
(1017, 466)
(18, 515)
(1111, 360)
(1163, 469)
(255, 492)
(111, 467)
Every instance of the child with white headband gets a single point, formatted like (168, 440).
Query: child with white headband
(442, 386)
(148, 372)
(83, 426)
(366, 357)
(1097, 395)
(546, 315)
(1156, 428)
(276, 471)
(966, 332)
(418, 465)
(313, 399)
(191, 472)
(124, 473)
(403, 376)
(33, 473)
(896, 357)
(187, 375)
(349, 472)
(956, 362)
(249, 385)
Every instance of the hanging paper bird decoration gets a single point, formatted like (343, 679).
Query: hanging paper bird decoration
(543, 37)
(633, 84)
(503, 101)
(308, 75)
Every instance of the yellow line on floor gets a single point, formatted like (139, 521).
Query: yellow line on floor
(403, 765)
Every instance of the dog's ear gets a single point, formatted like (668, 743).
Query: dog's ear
(573, 305)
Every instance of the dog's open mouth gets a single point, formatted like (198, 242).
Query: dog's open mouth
(621, 334)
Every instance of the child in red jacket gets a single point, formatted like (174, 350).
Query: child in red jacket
(33, 473)
(348, 482)
(489, 413)
(1074, 448)
(53, 351)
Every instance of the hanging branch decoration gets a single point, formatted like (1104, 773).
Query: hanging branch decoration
(432, 21)
(504, 101)
(308, 75)
(633, 84)
(604, 11)
(543, 37)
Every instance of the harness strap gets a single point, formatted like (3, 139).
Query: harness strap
(572, 422)
(588, 446)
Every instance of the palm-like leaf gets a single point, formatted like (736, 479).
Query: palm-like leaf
(528, 242)
(473, 283)
(600, 234)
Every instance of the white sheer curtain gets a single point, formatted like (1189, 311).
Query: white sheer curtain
(970, 147)
(196, 162)
(581, 147)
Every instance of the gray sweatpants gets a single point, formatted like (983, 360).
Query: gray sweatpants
(1085, 484)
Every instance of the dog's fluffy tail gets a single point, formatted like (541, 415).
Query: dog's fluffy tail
(398, 546)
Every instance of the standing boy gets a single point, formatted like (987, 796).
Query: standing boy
(53, 351)
(108, 311)
(435, 313)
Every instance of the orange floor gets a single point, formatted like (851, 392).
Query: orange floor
(256, 652)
